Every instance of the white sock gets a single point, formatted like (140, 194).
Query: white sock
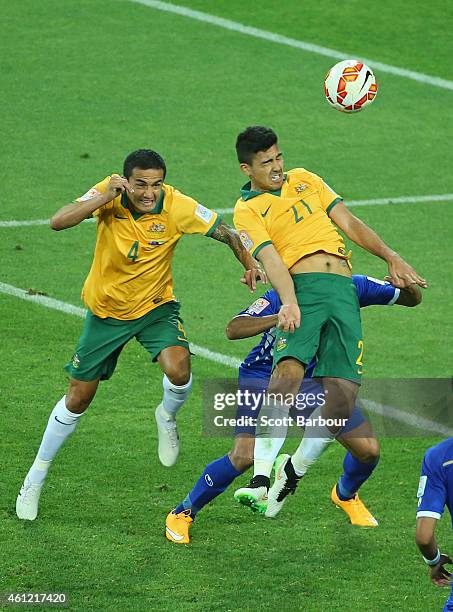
(269, 439)
(308, 451)
(174, 396)
(61, 424)
(266, 452)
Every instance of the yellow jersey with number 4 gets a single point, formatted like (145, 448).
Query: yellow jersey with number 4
(294, 219)
(131, 270)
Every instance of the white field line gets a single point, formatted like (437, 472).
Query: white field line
(409, 419)
(19, 223)
(446, 197)
(234, 26)
(48, 302)
(233, 362)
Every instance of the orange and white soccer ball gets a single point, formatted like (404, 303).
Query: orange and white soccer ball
(350, 86)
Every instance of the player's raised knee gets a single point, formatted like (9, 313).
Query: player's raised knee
(288, 368)
(241, 456)
(80, 395)
(371, 451)
(178, 376)
(241, 460)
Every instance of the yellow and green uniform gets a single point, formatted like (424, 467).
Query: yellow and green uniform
(295, 219)
(131, 270)
(129, 289)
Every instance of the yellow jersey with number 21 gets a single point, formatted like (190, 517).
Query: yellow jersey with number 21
(294, 219)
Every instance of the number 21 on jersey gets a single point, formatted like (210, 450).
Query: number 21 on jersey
(304, 209)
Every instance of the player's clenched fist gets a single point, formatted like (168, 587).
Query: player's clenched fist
(289, 317)
(117, 184)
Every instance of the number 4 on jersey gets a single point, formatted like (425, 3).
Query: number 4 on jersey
(133, 253)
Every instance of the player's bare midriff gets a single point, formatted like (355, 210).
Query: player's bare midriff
(321, 262)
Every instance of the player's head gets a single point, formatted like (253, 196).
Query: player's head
(145, 171)
(260, 158)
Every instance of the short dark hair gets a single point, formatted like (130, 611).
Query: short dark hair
(143, 159)
(252, 140)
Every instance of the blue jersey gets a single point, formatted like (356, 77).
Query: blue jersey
(258, 362)
(435, 490)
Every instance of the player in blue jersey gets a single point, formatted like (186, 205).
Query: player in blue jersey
(435, 491)
(255, 371)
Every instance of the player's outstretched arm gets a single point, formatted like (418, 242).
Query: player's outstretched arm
(226, 234)
(401, 273)
(244, 326)
(76, 212)
(426, 542)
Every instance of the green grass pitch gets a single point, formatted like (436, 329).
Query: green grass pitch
(84, 83)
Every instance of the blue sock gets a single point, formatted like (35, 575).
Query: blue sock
(354, 475)
(216, 477)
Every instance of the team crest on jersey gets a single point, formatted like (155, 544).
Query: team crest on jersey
(246, 240)
(75, 361)
(301, 187)
(281, 344)
(157, 228)
(258, 306)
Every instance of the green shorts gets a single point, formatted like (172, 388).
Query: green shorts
(102, 340)
(330, 329)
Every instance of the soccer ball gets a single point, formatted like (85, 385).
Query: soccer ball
(350, 86)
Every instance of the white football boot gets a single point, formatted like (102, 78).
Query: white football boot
(254, 496)
(27, 501)
(168, 449)
(285, 483)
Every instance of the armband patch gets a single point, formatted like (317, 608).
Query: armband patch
(422, 486)
(258, 306)
(203, 213)
(92, 193)
(246, 240)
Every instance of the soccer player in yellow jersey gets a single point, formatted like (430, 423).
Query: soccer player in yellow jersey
(129, 294)
(289, 221)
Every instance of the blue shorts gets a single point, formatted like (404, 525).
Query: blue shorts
(252, 389)
(250, 399)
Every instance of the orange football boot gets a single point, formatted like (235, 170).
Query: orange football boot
(177, 527)
(355, 509)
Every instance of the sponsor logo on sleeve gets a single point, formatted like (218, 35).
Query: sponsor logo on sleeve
(246, 240)
(258, 306)
(203, 213)
(92, 193)
(422, 486)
